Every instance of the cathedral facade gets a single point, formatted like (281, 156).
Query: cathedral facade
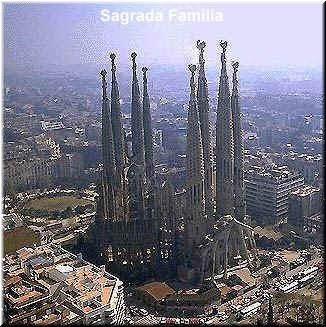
(136, 231)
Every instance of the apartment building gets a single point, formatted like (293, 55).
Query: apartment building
(49, 285)
(267, 192)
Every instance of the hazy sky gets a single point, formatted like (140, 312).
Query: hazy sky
(275, 34)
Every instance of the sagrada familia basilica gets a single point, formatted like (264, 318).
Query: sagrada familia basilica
(139, 231)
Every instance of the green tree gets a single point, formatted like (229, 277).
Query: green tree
(69, 212)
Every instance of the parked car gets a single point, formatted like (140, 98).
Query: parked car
(170, 321)
(143, 312)
(129, 321)
(163, 320)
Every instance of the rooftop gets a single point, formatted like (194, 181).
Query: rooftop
(245, 275)
(305, 190)
(157, 290)
(272, 172)
(48, 126)
(31, 274)
(64, 268)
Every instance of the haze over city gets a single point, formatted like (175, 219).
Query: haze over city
(41, 35)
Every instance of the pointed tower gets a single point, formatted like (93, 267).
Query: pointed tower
(238, 182)
(195, 226)
(137, 129)
(108, 153)
(224, 145)
(119, 146)
(117, 127)
(148, 134)
(149, 155)
(136, 170)
(203, 110)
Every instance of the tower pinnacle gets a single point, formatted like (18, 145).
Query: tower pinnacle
(223, 45)
(147, 120)
(201, 46)
(118, 138)
(108, 152)
(203, 111)
(194, 227)
(137, 129)
(104, 84)
(116, 121)
(192, 69)
(224, 145)
(112, 57)
(137, 168)
(238, 181)
(235, 65)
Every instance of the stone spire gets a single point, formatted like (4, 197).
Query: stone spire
(119, 145)
(137, 129)
(117, 127)
(203, 110)
(238, 182)
(109, 168)
(195, 171)
(224, 145)
(148, 136)
(101, 205)
(136, 170)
